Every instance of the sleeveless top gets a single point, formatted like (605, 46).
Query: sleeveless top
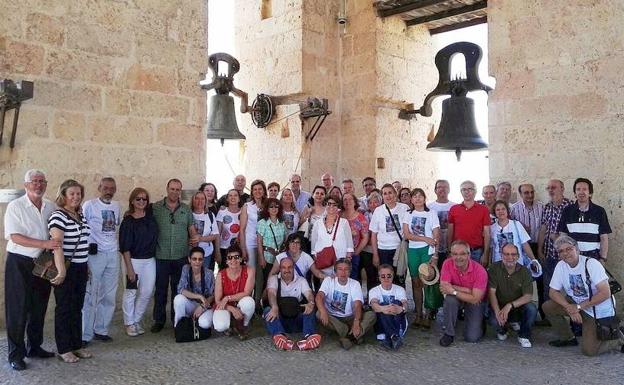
(232, 287)
(252, 220)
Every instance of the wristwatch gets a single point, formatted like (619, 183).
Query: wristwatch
(454, 293)
(578, 306)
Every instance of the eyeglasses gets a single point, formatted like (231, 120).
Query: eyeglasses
(39, 181)
(140, 199)
(197, 259)
(332, 204)
(171, 219)
(231, 257)
(385, 276)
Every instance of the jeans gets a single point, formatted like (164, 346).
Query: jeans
(366, 263)
(391, 324)
(99, 302)
(26, 302)
(167, 274)
(525, 313)
(473, 317)
(355, 267)
(475, 254)
(305, 323)
(135, 301)
(69, 298)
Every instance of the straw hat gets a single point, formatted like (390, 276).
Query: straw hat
(429, 275)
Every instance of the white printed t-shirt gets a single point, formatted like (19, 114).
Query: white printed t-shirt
(421, 223)
(103, 218)
(339, 298)
(387, 237)
(231, 226)
(385, 297)
(205, 224)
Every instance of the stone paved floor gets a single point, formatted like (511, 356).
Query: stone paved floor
(157, 359)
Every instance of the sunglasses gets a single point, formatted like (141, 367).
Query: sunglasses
(197, 259)
(140, 199)
(273, 206)
(171, 219)
(384, 276)
(231, 257)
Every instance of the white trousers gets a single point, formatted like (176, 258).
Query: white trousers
(252, 259)
(221, 318)
(135, 301)
(99, 301)
(184, 307)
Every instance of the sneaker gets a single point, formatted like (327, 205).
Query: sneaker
(102, 337)
(563, 343)
(515, 326)
(345, 343)
(281, 342)
(312, 342)
(157, 327)
(501, 336)
(139, 328)
(381, 337)
(396, 342)
(524, 342)
(131, 330)
(446, 340)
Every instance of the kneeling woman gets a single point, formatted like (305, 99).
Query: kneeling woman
(233, 294)
(195, 291)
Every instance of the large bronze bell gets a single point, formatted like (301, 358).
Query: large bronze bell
(221, 122)
(458, 130)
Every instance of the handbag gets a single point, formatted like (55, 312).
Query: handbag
(289, 307)
(44, 264)
(188, 330)
(607, 328)
(399, 260)
(327, 256)
(614, 285)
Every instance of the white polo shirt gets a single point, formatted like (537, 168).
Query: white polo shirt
(23, 217)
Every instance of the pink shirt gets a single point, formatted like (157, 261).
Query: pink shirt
(475, 277)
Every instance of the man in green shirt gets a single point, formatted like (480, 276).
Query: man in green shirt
(175, 233)
(510, 294)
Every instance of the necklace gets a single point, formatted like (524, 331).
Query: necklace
(329, 229)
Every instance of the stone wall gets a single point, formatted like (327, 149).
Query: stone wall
(115, 93)
(557, 108)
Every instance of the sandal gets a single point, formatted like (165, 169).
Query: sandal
(68, 358)
(83, 353)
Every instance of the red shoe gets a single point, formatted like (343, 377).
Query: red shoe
(283, 343)
(312, 342)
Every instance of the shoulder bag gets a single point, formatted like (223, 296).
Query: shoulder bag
(327, 257)
(400, 255)
(187, 330)
(289, 307)
(44, 264)
(607, 328)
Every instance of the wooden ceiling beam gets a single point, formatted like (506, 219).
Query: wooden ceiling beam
(417, 4)
(446, 14)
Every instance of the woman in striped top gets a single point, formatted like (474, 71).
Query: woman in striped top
(68, 226)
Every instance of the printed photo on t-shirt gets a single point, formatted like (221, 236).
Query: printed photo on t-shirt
(227, 219)
(199, 225)
(577, 286)
(289, 221)
(502, 239)
(443, 218)
(108, 220)
(418, 226)
(387, 299)
(389, 226)
(339, 301)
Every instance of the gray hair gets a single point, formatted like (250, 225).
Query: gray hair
(565, 239)
(374, 195)
(31, 173)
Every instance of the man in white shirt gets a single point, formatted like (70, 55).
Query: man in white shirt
(104, 216)
(442, 205)
(339, 303)
(26, 296)
(280, 318)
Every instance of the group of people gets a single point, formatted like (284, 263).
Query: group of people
(296, 258)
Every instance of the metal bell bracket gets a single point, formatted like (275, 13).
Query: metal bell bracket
(223, 84)
(446, 85)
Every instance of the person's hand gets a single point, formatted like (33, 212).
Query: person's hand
(52, 244)
(446, 288)
(262, 261)
(273, 314)
(376, 260)
(131, 275)
(58, 280)
(356, 329)
(576, 318)
(222, 304)
(324, 317)
(571, 309)
(430, 241)
(503, 314)
(198, 312)
(308, 308)
(204, 302)
(236, 313)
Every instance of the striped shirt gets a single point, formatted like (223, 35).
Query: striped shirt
(585, 227)
(529, 217)
(75, 235)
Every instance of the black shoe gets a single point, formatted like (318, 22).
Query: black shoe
(562, 343)
(446, 340)
(102, 337)
(18, 365)
(39, 353)
(85, 343)
(396, 342)
(543, 322)
(157, 327)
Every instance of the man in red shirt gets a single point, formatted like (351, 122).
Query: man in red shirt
(470, 222)
(463, 283)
